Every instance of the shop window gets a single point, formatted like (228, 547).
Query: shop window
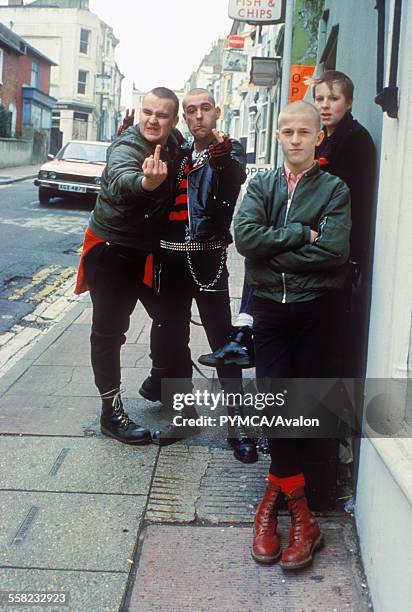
(82, 82)
(80, 123)
(35, 74)
(84, 41)
(56, 119)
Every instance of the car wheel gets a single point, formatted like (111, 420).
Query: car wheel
(44, 196)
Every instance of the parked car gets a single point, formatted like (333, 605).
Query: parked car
(76, 170)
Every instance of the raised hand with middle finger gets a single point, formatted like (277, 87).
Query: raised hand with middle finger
(154, 170)
(220, 150)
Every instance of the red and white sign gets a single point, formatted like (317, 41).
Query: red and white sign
(235, 41)
(257, 11)
(300, 80)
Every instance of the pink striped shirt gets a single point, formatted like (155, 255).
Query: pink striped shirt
(293, 179)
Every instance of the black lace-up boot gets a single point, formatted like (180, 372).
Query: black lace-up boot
(238, 351)
(244, 448)
(115, 421)
(182, 427)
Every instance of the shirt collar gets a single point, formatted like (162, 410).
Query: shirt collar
(296, 177)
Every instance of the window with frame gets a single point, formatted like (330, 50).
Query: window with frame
(82, 82)
(1, 65)
(229, 85)
(263, 130)
(84, 41)
(35, 73)
(251, 133)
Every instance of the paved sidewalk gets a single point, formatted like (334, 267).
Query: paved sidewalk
(139, 529)
(18, 173)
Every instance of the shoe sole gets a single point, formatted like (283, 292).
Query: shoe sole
(253, 459)
(142, 442)
(317, 545)
(209, 365)
(266, 560)
(149, 397)
(169, 441)
(242, 362)
(239, 457)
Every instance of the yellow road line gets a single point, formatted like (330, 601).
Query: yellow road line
(48, 289)
(36, 280)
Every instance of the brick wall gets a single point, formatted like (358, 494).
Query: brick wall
(10, 89)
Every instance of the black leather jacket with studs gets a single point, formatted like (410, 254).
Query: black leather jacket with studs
(212, 194)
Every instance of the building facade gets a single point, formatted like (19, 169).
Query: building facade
(371, 41)
(24, 84)
(86, 80)
(382, 41)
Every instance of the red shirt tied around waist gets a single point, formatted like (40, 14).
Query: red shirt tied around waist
(91, 240)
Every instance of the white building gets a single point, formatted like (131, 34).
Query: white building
(86, 80)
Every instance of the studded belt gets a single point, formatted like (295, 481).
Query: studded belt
(191, 246)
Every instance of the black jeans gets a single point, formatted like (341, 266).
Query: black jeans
(170, 334)
(291, 341)
(114, 275)
(246, 303)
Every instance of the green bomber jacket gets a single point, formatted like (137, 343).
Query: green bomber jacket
(125, 213)
(272, 231)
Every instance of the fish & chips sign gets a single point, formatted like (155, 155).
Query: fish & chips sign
(257, 11)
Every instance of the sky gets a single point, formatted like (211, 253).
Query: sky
(161, 41)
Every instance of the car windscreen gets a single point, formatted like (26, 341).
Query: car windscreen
(84, 152)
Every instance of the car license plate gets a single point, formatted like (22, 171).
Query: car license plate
(77, 188)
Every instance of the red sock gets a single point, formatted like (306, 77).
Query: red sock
(291, 483)
(274, 479)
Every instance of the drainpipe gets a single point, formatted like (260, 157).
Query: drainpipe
(387, 97)
(287, 59)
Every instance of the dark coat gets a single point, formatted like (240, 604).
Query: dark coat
(272, 231)
(212, 195)
(125, 213)
(349, 153)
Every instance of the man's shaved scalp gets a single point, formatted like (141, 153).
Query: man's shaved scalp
(196, 91)
(300, 107)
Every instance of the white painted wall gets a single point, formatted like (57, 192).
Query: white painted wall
(384, 493)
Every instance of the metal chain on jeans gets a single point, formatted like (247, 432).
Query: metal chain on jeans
(222, 262)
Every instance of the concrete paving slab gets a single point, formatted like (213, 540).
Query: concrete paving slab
(76, 465)
(176, 483)
(91, 591)
(193, 483)
(222, 576)
(82, 382)
(71, 381)
(68, 416)
(42, 415)
(85, 318)
(69, 531)
(73, 348)
(44, 380)
(197, 336)
(230, 491)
